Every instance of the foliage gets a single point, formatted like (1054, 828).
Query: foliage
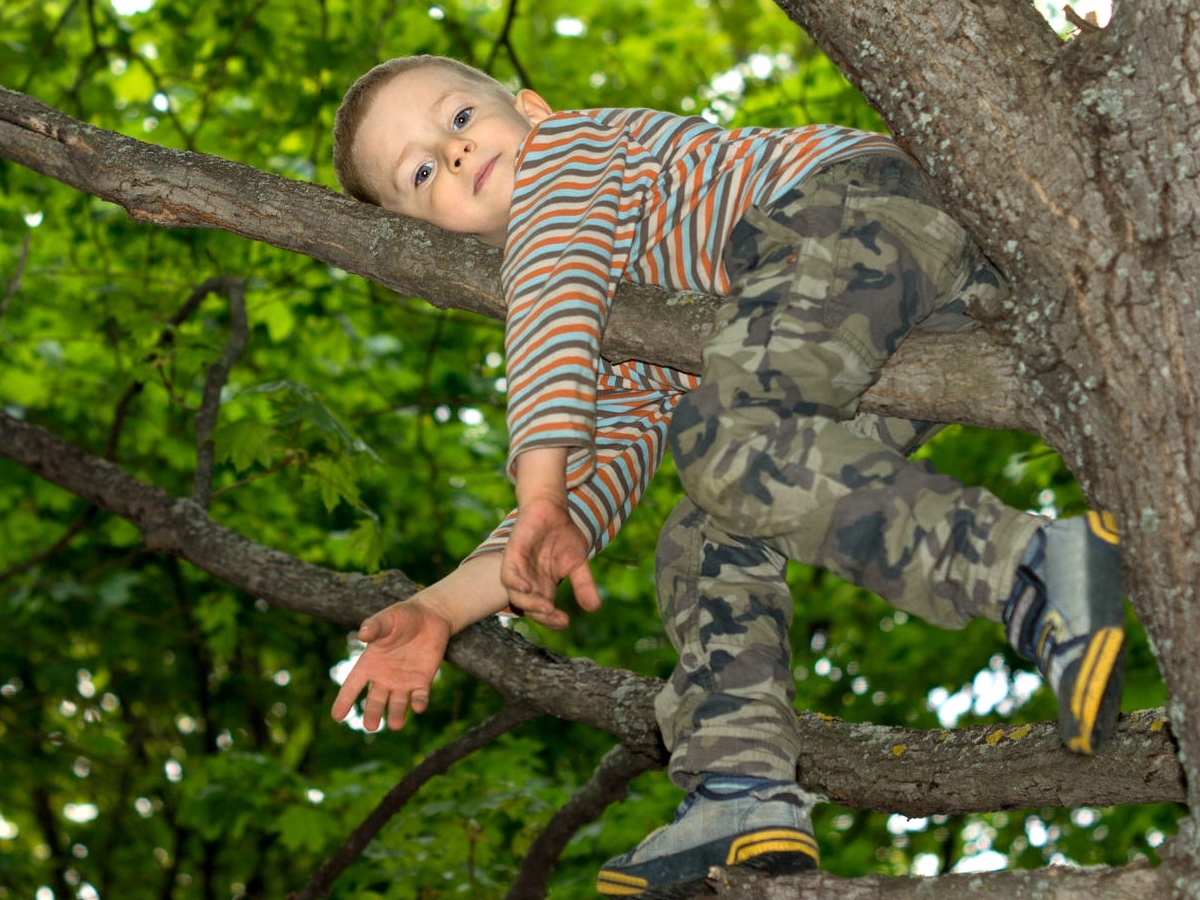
(162, 735)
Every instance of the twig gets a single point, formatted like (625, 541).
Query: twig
(195, 298)
(1089, 25)
(435, 763)
(15, 282)
(608, 784)
(218, 376)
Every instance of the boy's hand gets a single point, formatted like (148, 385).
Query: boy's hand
(545, 547)
(405, 646)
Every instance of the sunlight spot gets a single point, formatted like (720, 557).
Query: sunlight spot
(898, 824)
(730, 82)
(987, 861)
(1035, 832)
(8, 830)
(81, 812)
(569, 26)
(34, 219)
(132, 7)
(761, 65)
(83, 684)
(1054, 12)
(173, 770)
(470, 416)
(1084, 817)
(925, 865)
(144, 807)
(282, 678)
(436, 12)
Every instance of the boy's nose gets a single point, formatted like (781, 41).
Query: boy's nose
(457, 151)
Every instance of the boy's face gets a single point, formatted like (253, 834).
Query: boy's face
(442, 149)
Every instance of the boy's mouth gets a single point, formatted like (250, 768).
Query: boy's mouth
(484, 171)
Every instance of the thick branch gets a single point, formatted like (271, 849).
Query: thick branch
(961, 378)
(860, 766)
(1135, 882)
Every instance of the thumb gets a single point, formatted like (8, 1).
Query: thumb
(370, 630)
(587, 595)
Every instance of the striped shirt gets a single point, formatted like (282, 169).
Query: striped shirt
(611, 194)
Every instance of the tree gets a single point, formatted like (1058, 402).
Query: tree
(1072, 163)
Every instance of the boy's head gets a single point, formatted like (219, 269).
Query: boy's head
(434, 139)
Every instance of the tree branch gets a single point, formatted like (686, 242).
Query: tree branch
(214, 383)
(608, 784)
(1134, 882)
(859, 766)
(964, 378)
(436, 763)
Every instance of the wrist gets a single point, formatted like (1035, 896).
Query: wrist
(541, 475)
(470, 593)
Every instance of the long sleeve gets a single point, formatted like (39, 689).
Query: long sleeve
(630, 439)
(576, 198)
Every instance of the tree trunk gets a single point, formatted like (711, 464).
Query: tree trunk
(1075, 166)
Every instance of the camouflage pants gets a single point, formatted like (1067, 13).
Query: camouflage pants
(826, 284)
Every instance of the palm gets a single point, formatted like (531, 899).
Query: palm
(405, 646)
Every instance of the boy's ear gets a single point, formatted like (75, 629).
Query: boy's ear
(531, 105)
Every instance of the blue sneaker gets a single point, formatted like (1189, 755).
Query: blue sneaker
(1067, 613)
(762, 825)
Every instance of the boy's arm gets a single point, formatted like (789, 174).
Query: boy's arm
(407, 641)
(545, 545)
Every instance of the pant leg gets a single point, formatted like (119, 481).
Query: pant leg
(826, 285)
(727, 609)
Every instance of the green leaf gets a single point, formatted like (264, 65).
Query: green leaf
(245, 443)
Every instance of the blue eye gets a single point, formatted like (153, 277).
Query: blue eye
(462, 117)
(423, 174)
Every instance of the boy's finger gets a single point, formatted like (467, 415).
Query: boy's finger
(370, 629)
(373, 710)
(557, 620)
(587, 595)
(346, 695)
(397, 710)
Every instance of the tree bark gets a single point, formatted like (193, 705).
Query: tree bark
(1075, 166)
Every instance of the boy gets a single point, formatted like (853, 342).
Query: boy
(829, 247)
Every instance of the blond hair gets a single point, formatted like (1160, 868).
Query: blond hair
(357, 103)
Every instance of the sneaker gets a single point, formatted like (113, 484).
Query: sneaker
(1067, 613)
(758, 824)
